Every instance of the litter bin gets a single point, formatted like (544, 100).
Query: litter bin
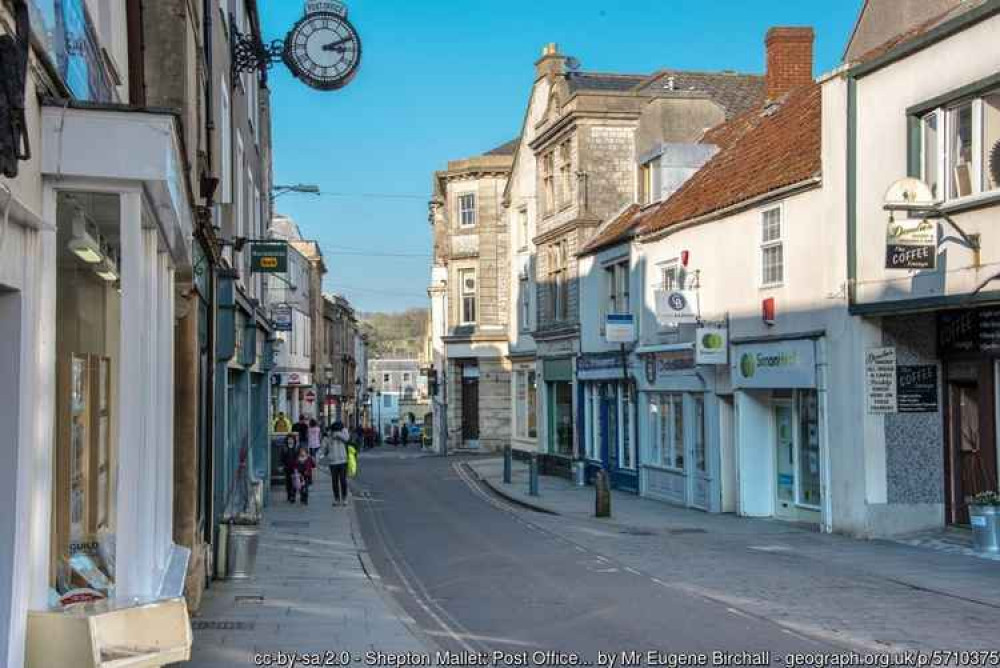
(985, 527)
(241, 551)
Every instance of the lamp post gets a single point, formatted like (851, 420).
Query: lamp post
(301, 188)
(329, 384)
(378, 428)
(357, 403)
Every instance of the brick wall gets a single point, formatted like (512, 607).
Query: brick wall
(789, 59)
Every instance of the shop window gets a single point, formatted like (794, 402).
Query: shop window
(88, 328)
(809, 456)
(626, 450)
(526, 400)
(667, 428)
(593, 421)
(617, 287)
(562, 418)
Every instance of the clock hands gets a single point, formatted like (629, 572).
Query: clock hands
(337, 46)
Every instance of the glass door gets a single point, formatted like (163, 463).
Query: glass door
(784, 433)
(797, 457)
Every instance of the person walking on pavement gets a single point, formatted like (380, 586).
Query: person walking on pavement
(314, 439)
(336, 459)
(301, 429)
(288, 456)
(282, 425)
(302, 474)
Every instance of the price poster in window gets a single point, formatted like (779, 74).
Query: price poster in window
(880, 380)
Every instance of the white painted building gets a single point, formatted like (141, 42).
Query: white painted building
(95, 245)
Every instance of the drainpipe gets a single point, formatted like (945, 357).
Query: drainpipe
(852, 190)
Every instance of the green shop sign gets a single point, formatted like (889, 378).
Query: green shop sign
(269, 257)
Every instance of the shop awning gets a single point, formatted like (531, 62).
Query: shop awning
(123, 145)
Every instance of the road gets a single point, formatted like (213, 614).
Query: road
(479, 575)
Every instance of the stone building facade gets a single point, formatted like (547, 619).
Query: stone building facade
(472, 288)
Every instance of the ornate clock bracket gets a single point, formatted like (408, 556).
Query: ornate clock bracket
(252, 55)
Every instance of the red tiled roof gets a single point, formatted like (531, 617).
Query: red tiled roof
(761, 151)
(614, 232)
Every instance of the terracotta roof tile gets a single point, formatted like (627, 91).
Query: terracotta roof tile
(772, 147)
(619, 229)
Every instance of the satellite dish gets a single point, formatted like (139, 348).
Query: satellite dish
(909, 193)
(573, 64)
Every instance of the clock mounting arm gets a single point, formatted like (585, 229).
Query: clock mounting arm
(251, 54)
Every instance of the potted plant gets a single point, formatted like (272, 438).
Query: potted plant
(984, 514)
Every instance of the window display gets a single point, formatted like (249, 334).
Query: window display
(87, 343)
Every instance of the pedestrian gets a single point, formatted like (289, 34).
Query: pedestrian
(314, 439)
(282, 425)
(336, 459)
(301, 429)
(302, 474)
(288, 456)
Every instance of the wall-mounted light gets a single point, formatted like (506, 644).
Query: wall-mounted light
(85, 244)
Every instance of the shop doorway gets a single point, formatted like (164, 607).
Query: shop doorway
(560, 412)
(797, 458)
(971, 457)
(470, 406)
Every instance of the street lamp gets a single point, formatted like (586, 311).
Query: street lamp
(378, 399)
(329, 388)
(357, 403)
(301, 188)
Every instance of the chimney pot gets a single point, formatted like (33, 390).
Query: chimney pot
(789, 59)
(552, 62)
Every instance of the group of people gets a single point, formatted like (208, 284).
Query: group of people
(307, 445)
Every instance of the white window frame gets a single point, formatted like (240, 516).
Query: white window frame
(548, 182)
(979, 168)
(524, 297)
(522, 220)
(663, 448)
(466, 294)
(626, 404)
(593, 419)
(765, 245)
(467, 217)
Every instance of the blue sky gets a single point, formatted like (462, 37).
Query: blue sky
(444, 79)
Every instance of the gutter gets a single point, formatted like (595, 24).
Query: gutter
(785, 191)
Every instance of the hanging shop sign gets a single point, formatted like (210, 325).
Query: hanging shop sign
(295, 379)
(676, 307)
(880, 380)
(281, 316)
(620, 328)
(969, 331)
(712, 345)
(917, 388)
(911, 244)
(322, 50)
(269, 257)
(658, 364)
(778, 365)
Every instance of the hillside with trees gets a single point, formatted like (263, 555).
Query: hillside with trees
(396, 335)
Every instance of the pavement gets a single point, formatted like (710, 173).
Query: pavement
(868, 593)
(315, 594)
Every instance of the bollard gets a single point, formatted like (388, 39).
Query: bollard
(533, 475)
(508, 462)
(602, 501)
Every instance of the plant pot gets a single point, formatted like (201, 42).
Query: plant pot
(985, 527)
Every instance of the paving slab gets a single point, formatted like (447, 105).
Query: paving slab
(311, 593)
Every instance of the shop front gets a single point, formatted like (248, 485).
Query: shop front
(557, 375)
(609, 434)
(678, 428)
(99, 538)
(780, 442)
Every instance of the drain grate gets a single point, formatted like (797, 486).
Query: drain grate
(249, 600)
(205, 625)
(682, 532)
(290, 524)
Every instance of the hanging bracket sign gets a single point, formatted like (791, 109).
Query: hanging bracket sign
(911, 244)
(269, 257)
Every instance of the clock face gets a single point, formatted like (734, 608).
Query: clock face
(323, 50)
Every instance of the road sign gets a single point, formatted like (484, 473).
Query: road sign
(310, 397)
(269, 257)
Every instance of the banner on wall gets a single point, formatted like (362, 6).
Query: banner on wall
(777, 365)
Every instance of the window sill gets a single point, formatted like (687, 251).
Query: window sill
(971, 202)
(772, 286)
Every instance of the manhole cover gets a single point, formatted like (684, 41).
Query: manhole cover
(290, 524)
(205, 625)
(681, 532)
(637, 532)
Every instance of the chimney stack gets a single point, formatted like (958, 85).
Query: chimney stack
(551, 63)
(789, 59)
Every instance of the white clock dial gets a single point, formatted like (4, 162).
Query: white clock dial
(323, 50)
